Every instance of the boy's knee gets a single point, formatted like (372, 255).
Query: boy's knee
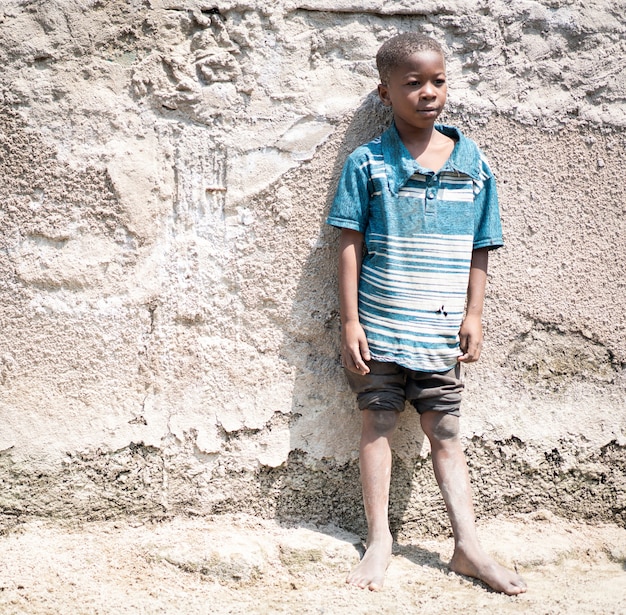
(440, 426)
(381, 421)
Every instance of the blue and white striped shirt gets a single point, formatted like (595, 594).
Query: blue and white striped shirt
(420, 230)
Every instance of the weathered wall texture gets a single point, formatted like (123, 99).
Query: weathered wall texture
(169, 336)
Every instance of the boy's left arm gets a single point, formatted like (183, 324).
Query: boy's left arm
(471, 332)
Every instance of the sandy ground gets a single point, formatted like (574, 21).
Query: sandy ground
(244, 565)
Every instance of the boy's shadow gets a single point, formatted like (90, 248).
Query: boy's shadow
(320, 482)
(420, 556)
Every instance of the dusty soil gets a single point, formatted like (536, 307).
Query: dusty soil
(252, 566)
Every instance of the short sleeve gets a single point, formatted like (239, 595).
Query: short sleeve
(487, 223)
(350, 207)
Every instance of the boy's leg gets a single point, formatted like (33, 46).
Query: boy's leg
(450, 468)
(375, 461)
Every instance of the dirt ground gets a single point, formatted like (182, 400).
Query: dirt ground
(245, 565)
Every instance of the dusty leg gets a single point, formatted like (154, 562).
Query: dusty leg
(451, 472)
(375, 459)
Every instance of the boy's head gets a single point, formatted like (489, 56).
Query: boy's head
(397, 49)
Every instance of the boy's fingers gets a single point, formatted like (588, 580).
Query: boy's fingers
(365, 353)
(472, 355)
(360, 366)
(357, 363)
(463, 339)
(354, 356)
(348, 362)
(365, 356)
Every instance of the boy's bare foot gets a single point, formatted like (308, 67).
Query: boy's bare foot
(487, 570)
(370, 572)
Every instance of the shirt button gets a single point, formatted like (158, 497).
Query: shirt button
(430, 193)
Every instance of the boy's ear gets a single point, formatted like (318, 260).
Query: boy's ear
(383, 94)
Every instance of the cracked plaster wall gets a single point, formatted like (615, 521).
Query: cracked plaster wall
(169, 335)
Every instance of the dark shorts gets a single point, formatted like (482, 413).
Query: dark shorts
(388, 386)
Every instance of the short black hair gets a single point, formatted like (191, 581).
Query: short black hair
(398, 48)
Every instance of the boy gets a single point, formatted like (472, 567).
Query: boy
(422, 201)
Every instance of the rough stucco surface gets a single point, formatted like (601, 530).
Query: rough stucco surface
(169, 336)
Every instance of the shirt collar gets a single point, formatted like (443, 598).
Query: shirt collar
(400, 165)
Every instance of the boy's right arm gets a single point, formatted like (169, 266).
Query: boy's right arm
(354, 348)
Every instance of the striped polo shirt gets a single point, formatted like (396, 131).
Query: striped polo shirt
(420, 229)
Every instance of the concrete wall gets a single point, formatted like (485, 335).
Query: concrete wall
(169, 326)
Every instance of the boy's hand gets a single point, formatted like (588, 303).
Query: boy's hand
(471, 339)
(354, 348)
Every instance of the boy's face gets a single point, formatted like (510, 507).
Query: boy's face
(416, 89)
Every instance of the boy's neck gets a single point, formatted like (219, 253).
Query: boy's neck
(427, 145)
(417, 139)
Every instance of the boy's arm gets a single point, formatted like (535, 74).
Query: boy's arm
(471, 332)
(354, 349)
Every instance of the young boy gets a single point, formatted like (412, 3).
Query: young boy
(422, 201)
